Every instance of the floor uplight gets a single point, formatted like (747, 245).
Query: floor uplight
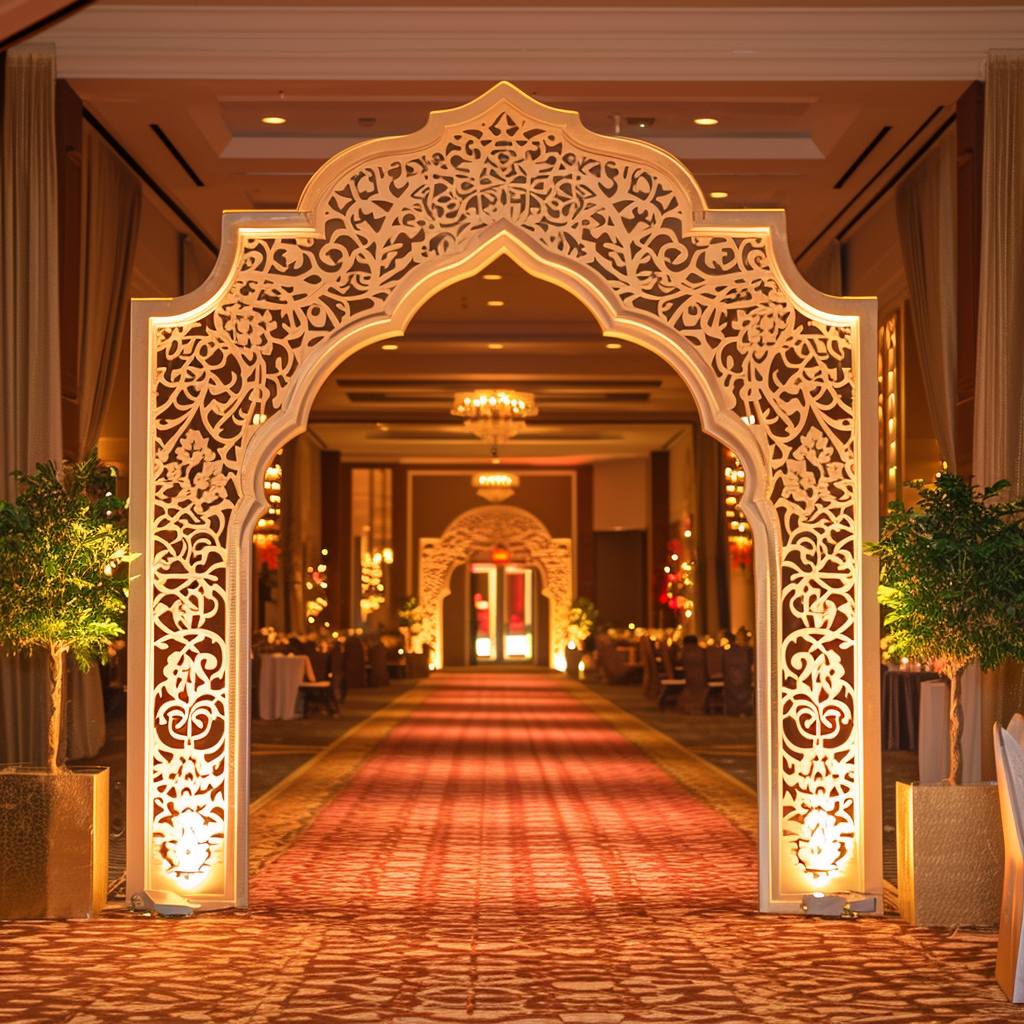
(705, 120)
(719, 195)
(272, 120)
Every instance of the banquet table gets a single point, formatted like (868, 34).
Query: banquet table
(901, 707)
(281, 675)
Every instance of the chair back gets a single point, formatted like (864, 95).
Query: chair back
(737, 663)
(694, 698)
(378, 655)
(652, 677)
(666, 652)
(611, 665)
(1010, 778)
(355, 662)
(1016, 728)
(339, 684)
(715, 662)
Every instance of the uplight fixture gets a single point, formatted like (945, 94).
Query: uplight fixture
(495, 345)
(705, 120)
(613, 344)
(273, 120)
(719, 195)
(389, 348)
(491, 277)
(495, 302)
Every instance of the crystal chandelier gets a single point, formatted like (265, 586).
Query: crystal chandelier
(494, 416)
(495, 486)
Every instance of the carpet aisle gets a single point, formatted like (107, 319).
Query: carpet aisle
(505, 854)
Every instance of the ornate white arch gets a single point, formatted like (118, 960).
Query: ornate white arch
(528, 542)
(784, 375)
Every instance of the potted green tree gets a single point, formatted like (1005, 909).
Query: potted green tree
(417, 654)
(583, 614)
(952, 579)
(62, 542)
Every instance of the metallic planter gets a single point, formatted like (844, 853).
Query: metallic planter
(949, 848)
(53, 842)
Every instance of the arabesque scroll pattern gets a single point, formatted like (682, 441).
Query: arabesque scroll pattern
(528, 543)
(629, 226)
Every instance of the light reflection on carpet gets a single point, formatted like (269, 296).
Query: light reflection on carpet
(503, 855)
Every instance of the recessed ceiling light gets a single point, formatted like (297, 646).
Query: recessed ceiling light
(495, 344)
(492, 277)
(613, 344)
(495, 302)
(640, 122)
(272, 120)
(389, 348)
(719, 195)
(705, 120)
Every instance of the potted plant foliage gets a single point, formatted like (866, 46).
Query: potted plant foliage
(62, 542)
(583, 614)
(417, 655)
(952, 579)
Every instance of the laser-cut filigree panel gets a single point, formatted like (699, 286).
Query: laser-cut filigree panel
(528, 543)
(624, 217)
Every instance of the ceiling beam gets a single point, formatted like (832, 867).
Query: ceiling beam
(481, 44)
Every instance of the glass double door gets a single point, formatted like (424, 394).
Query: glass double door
(501, 614)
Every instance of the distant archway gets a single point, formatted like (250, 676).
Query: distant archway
(528, 542)
(784, 375)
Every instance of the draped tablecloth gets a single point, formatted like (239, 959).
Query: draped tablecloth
(901, 705)
(281, 675)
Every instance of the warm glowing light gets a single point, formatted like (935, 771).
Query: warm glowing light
(613, 345)
(495, 487)
(705, 120)
(389, 348)
(495, 302)
(494, 416)
(719, 195)
(558, 663)
(491, 277)
(273, 120)
(495, 345)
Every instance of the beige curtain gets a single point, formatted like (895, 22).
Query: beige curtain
(999, 396)
(926, 213)
(29, 341)
(825, 271)
(712, 611)
(112, 200)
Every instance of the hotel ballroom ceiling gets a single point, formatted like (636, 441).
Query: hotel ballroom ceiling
(817, 108)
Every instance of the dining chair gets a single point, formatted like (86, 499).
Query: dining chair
(1010, 778)
(694, 698)
(737, 663)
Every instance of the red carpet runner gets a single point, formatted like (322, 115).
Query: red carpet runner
(504, 856)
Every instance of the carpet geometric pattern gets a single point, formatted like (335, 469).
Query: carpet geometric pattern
(503, 854)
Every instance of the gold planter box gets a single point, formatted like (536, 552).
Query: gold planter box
(949, 849)
(53, 842)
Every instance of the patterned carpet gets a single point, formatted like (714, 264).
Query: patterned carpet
(498, 849)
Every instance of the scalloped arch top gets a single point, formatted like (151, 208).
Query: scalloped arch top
(509, 126)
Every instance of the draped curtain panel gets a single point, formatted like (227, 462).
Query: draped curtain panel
(999, 398)
(825, 272)
(112, 204)
(926, 213)
(29, 342)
